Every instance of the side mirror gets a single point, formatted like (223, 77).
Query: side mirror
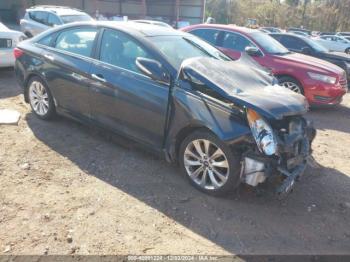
(306, 50)
(252, 51)
(153, 69)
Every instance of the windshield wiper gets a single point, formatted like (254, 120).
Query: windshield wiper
(200, 47)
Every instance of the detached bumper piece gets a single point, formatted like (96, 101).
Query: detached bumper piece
(294, 149)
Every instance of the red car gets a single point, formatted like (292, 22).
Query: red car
(321, 82)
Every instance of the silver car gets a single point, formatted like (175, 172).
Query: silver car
(40, 18)
(334, 43)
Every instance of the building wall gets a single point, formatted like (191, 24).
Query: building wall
(188, 10)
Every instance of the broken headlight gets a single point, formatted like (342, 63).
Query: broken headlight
(262, 133)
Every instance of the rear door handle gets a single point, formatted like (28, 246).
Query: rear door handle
(98, 77)
(50, 57)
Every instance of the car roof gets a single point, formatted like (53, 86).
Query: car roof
(230, 27)
(141, 28)
(59, 10)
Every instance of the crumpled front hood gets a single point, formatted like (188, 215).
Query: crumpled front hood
(245, 85)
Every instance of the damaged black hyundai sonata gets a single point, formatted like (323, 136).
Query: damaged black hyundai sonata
(225, 122)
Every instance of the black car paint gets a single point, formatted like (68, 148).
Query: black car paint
(156, 114)
(337, 58)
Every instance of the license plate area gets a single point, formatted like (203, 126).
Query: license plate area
(5, 43)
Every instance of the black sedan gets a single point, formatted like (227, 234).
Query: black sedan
(223, 121)
(307, 46)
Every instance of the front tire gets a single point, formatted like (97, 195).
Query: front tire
(291, 84)
(210, 165)
(40, 99)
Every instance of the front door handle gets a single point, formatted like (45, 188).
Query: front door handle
(98, 77)
(49, 57)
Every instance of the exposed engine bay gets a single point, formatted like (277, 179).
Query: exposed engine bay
(293, 138)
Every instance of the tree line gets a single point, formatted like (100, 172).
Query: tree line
(318, 15)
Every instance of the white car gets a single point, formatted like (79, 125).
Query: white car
(8, 40)
(334, 43)
(152, 22)
(42, 17)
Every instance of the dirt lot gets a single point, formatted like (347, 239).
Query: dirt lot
(66, 188)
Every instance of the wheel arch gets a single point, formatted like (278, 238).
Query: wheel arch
(26, 83)
(278, 76)
(172, 150)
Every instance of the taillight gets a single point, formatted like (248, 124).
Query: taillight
(17, 52)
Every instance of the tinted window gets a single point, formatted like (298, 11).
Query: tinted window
(53, 20)
(121, 50)
(209, 35)
(46, 40)
(235, 41)
(293, 43)
(77, 41)
(39, 16)
(177, 48)
(269, 44)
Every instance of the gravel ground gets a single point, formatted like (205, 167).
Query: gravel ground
(66, 188)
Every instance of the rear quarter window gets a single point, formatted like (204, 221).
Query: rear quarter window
(209, 35)
(77, 41)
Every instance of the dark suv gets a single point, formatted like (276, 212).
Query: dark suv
(308, 46)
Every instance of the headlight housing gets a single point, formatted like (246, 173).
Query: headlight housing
(262, 133)
(322, 78)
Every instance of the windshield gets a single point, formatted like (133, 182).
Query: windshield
(269, 44)
(316, 46)
(75, 18)
(179, 48)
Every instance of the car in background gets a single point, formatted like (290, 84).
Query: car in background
(296, 29)
(299, 33)
(42, 17)
(345, 34)
(271, 29)
(334, 43)
(308, 46)
(152, 22)
(8, 41)
(321, 82)
(223, 121)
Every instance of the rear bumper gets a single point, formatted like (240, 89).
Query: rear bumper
(7, 58)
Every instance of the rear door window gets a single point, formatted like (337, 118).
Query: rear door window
(121, 50)
(235, 41)
(77, 41)
(209, 35)
(39, 16)
(53, 20)
(293, 43)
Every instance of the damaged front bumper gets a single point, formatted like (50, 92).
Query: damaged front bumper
(289, 163)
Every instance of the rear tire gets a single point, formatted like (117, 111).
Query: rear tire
(210, 165)
(291, 83)
(40, 99)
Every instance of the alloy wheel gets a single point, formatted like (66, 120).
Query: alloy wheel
(39, 98)
(206, 164)
(292, 86)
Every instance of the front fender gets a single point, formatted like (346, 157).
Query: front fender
(191, 110)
